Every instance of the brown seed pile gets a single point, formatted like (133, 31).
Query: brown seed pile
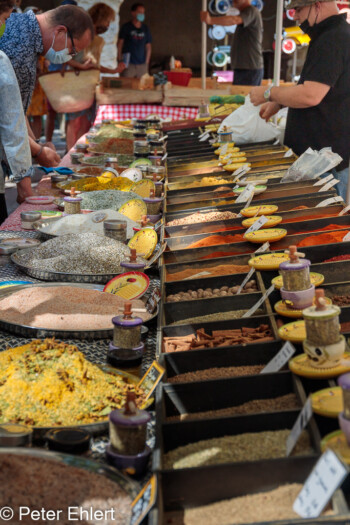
(42, 484)
(341, 300)
(266, 507)
(216, 373)
(208, 293)
(287, 402)
(201, 339)
(251, 446)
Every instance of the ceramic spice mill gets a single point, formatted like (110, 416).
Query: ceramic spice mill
(126, 350)
(297, 290)
(344, 417)
(127, 450)
(72, 204)
(324, 344)
(132, 265)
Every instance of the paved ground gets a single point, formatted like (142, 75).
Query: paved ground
(10, 187)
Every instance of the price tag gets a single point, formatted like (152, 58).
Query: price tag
(329, 185)
(263, 248)
(245, 280)
(346, 237)
(280, 359)
(327, 475)
(223, 149)
(153, 300)
(276, 142)
(288, 153)
(212, 141)
(144, 501)
(259, 303)
(156, 256)
(200, 274)
(344, 211)
(151, 379)
(158, 224)
(328, 202)
(323, 181)
(257, 224)
(301, 422)
(246, 194)
(164, 157)
(247, 204)
(239, 172)
(204, 137)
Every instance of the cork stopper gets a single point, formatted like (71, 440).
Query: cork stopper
(72, 192)
(144, 221)
(132, 256)
(151, 194)
(130, 408)
(320, 300)
(127, 310)
(294, 254)
(155, 176)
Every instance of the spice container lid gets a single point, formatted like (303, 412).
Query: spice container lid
(129, 415)
(344, 381)
(294, 262)
(13, 435)
(77, 155)
(72, 199)
(126, 320)
(30, 215)
(59, 177)
(321, 311)
(115, 225)
(151, 200)
(90, 136)
(72, 440)
(81, 147)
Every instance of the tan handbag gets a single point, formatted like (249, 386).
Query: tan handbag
(70, 91)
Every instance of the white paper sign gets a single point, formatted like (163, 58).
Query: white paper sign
(329, 185)
(328, 202)
(259, 303)
(257, 224)
(241, 171)
(301, 422)
(288, 153)
(263, 248)
(204, 137)
(323, 181)
(245, 280)
(344, 211)
(202, 134)
(346, 237)
(223, 149)
(280, 359)
(247, 204)
(200, 274)
(327, 475)
(246, 194)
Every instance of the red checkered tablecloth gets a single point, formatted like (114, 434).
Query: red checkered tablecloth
(128, 111)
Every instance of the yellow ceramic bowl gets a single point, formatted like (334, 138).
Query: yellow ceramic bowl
(272, 220)
(144, 242)
(266, 235)
(255, 211)
(134, 209)
(268, 261)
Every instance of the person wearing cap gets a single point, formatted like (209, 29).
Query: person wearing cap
(58, 34)
(319, 105)
(246, 50)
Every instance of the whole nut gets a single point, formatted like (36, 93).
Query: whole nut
(234, 289)
(224, 288)
(216, 290)
(223, 293)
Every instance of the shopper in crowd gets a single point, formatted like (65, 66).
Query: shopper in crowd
(80, 122)
(246, 49)
(134, 44)
(319, 106)
(15, 157)
(17, 6)
(59, 34)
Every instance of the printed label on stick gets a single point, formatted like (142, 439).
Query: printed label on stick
(280, 359)
(257, 225)
(323, 181)
(301, 422)
(328, 202)
(246, 279)
(259, 303)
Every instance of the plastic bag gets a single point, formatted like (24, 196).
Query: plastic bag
(311, 164)
(247, 125)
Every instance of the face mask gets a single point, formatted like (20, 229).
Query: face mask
(140, 17)
(58, 57)
(2, 29)
(101, 29)
(305, 26)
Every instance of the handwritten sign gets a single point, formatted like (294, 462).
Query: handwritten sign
(280, 359)
(151, 379)
(324, 180)
(329, 185)
(327, 475)
(263, 248)
(301, 422)
(246, 194)
(328, 202)
(144, 501)
(260, 302)
(344, 211)
(288, 153)
(257, 224)
(245, 280)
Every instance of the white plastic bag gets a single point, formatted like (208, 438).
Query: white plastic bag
(247, 125)
(311, 164)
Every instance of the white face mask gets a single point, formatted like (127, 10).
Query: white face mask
(58, 57)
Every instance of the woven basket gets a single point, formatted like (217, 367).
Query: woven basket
(71, 91)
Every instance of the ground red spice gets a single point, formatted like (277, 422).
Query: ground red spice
(214, 240)
(309, 217)
(325, 238)
(338, 258)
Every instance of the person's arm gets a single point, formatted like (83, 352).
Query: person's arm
(301, 96)
(148, 53)
(120, 67)
(220, 20)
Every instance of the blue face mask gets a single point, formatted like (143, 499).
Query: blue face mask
(58, 57)
(140, 17)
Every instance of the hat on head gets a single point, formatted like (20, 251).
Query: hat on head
(69, 2)
(292, 4)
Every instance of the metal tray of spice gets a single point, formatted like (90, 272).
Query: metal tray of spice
(221, 397)
(192, 363)
(172, 436)
(30, 331)
(179, 490)
(223, 225)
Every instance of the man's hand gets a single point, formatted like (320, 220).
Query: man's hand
(257, 95)
(206, 18)
(24, 189)
(48, 158)
(120, 67)
(269, 109)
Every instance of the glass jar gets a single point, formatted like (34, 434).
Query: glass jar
(82, 147)
(72, 205)
(141, 148)
(76, 157)
(322, 326)
(28, 218)
(116, 230)
(296, 276)
(57, 178)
